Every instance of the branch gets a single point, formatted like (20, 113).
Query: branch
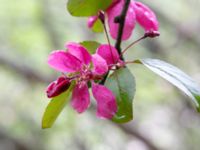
(7, 141)
(134, 133)
(121, 20)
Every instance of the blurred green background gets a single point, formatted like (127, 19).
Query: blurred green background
(164, 118)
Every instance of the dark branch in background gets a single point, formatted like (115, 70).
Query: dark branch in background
(181, 30)
(120, 20)
(9, 142)
(134, 133)
(22, 69)
(48, 25)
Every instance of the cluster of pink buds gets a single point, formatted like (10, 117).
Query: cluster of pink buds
(137, 12)
(78, 65)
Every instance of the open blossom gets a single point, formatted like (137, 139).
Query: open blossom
(77, 61)
(137, 12)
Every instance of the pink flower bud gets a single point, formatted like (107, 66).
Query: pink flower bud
(101, 16)
(146, 17)
(57, 87)
(152, 34)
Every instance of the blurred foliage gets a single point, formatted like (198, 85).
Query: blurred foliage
(163, 118)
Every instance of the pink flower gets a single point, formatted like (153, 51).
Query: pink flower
(137, 12)
(77, 61)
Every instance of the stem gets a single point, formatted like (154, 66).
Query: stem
(106, 32)
(143, 37)
(121, 20)
(104, 79)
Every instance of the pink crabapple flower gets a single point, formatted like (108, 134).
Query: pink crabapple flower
(137, 12)
(83, 68)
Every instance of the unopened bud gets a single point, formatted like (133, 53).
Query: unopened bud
(57, 87)
(146, 18)
(152, 34)
(101, 16)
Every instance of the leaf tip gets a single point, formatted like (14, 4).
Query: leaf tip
(45, 126)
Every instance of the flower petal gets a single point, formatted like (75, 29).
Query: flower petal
(109, 53)
(91, 21)
(79, 52)
(146, 17)
(106, 102)
(80, 98)
(130, 20)
(64, 62)
(100, 65)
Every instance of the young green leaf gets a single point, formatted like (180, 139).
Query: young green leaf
(174, 76)
(91, 46)
(122, 84)
(55, 107)
(85, 8)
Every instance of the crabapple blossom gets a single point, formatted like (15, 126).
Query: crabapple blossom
(81, 67)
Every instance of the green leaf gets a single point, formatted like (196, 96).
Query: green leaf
(55, 107)
(174, 76)
(91, 46)
(98, 26)
(122, 84)
(84, 8)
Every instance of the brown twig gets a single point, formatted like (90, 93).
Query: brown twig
(134, 133)
(29, 73)
(120, 20)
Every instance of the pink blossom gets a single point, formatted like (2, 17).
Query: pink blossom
(78, 61)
